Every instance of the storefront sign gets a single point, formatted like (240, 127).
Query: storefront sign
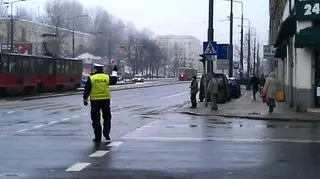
(268, 51)
(307, 10)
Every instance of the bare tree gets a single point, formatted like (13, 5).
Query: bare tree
(178, 58)
(24, 13)
(3, 9)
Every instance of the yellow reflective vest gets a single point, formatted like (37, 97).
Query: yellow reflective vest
(100, 86)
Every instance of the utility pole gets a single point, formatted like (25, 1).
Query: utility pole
(73, 55)
(241, 49)
(11, 46)
(254, 56)
(231, 42)
(12, 30)
(57, 36)
(248, 61)
(258, 59)
(210, 34)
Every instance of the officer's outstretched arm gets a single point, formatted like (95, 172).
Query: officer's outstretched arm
(114, 76)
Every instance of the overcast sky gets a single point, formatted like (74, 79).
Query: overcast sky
(187, 17)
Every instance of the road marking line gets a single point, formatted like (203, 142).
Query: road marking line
(77, 167)
(65, 119)
(163, 138)
(179, 94)
(222, 139)
(84, 114)
(99, 153)
(53, 122)
(242, 97)
(10, 112)
(76, 116)
(22, 130)
(38, 126)
(115, 144)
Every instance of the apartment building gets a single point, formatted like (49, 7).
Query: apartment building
(186, 48)
(31, 33)
(295, 33)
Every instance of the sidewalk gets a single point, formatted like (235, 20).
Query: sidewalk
(245, 107)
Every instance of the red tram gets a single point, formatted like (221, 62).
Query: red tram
(186, 74)
(27, 74)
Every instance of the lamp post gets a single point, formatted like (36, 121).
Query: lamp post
(249, 53)
(210, 34)
(241, 48)
(11, 4)
(231, 41)
(73, 31)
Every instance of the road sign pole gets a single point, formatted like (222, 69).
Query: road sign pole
(210, 33)
(231, 42)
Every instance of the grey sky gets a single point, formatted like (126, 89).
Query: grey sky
(187, 17)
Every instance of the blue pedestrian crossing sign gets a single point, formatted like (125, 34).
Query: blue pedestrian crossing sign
(209, 48)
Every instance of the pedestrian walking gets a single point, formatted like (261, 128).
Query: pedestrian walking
(262, 83)
(213, 91)
(254, 82)
(97, 88)
(193, 92)
(270, 91)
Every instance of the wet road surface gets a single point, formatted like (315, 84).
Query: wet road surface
(51, 138)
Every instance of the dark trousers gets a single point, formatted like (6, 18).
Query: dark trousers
(193, 100)
(96, 107)
(254, 92)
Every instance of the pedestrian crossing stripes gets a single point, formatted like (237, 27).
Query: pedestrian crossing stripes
(78, 167)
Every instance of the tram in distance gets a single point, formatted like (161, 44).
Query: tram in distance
(25, 74)
(186, 74)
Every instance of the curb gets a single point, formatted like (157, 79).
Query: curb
(251, 117)
(81, 92)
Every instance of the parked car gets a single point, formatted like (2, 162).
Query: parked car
(138, 78)
(224, 90)
(235, 89)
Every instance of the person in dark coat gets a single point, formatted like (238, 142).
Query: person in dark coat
(254, 82)
(193, 92)
(262, 83)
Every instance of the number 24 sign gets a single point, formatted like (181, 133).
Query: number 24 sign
(307, 10)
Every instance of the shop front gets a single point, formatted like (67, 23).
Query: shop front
(307, 44)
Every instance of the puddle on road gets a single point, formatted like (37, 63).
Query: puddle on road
(22, 122)
(53, 113)
(271, 126)
(13, 175)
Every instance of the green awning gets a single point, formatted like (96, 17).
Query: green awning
(287, 29)
(307, 37)
(281, 51)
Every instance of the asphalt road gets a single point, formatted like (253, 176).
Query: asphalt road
(51, 138)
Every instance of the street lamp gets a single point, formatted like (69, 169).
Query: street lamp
(73, 31)
(231, 40)
(11, 4)
(241, 51)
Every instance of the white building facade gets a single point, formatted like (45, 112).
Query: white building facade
(31, 33)
(295, 33)
(187, 48)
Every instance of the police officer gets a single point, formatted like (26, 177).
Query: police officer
(97, 87)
